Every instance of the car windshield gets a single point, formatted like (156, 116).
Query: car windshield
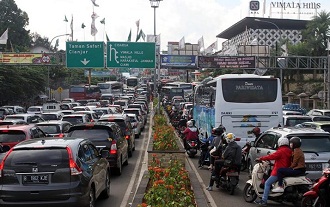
(34, 109)
(315, 143)
(50, 129)
(14, 117)
(11, 136)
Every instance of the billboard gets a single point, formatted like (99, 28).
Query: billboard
(30, 58)
(179, 61)
(226, 61)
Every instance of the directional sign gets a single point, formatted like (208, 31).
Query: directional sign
(131, 55)
(85, 54)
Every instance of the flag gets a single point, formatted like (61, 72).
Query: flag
(181, 43)
(57, 43)
(71, 27)
(93, 28)
(106, 35)
(328, 45)
(137, 24)
(284, 49)
(141, 34)
(65, 19)
(4, 38)
(103, 21)
(137, 30)
(94, 3)
(213, 46)
(83, 25)
(201, 43)
(129, 36)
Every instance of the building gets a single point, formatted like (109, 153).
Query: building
(263, 33)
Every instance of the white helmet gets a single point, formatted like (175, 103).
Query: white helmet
(230, 137)
(283, 141)
(190, 124)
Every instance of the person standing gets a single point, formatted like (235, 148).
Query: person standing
(282, 158)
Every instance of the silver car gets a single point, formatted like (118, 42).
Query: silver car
(315, 145)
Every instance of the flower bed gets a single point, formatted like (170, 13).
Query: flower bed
(168, 186)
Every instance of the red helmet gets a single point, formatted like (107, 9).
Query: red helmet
(256, 130)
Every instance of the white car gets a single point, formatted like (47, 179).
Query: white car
(136, 124)
(34, 110)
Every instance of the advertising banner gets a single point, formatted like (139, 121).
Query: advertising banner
(179, 61)
(29, 58)
(226, 61)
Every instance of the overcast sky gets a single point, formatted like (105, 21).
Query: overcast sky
(175, 19)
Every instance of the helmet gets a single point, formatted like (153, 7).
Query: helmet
(282, 141)
(213, 131)
(219, 131)
(190, 124)
(256, 130)
(296, 141)
(230, 137)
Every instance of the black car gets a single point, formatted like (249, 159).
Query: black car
(54, 172)
(106, 136)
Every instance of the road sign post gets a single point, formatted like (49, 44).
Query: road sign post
(85, 54)
(131, 55)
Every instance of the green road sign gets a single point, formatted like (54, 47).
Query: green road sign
(85, 54)
(131, 55)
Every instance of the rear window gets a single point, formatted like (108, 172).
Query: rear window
(47, 117)
(12, 136)
(73, 120)
(326, 127)
(90, 133)
(121, 103)
(293, 121)
(315, 143)
(50, 129)
(14, 117)
(37, 157)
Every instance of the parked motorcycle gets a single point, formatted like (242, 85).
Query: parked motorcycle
(294, 187)
(191, 148)
(245, 153)
(318, 195)
(229, 177)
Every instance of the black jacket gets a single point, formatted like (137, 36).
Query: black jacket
(233, 152)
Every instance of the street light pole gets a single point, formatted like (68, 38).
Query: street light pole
(48, 67)
(155, 4)
(276, 43)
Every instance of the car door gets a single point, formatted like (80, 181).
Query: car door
(266, 144)
(99, 171)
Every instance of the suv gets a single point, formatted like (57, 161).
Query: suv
(29, 118)
(49, 172)
(107, 136)
(124, 122)
(315, 145)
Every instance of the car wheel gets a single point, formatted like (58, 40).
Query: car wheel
(118, 169)
(91, 198)
(106, 192)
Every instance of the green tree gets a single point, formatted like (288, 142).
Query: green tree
(15, 20)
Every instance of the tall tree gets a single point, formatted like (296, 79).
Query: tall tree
(15, 20)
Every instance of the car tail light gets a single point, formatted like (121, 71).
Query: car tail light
(2, 164)
(193, 144)
(61, 135)
(127, 137)
(113, 149)
(237, 139)
(75, 170)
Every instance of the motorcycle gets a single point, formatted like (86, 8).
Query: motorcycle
(229, 177)
(192, 147)
(318, 195)
(245, 153)
(204, 158)
(294, 187)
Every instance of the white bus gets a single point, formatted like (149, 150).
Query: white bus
(132, 82)
(187, 87)
(239, 102)
(111, 87)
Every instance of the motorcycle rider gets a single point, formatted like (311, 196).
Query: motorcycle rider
(190, 133)
(282, 158)
(256, 132)
(297, 166)
(217, 141)
(232, 153)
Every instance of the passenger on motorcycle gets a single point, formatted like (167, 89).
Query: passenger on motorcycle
(282, 158)
(297, 166)
(218, 140)
(190, 133)
(231, 155)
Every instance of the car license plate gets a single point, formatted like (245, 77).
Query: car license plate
(35, 179)
(314, 166)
